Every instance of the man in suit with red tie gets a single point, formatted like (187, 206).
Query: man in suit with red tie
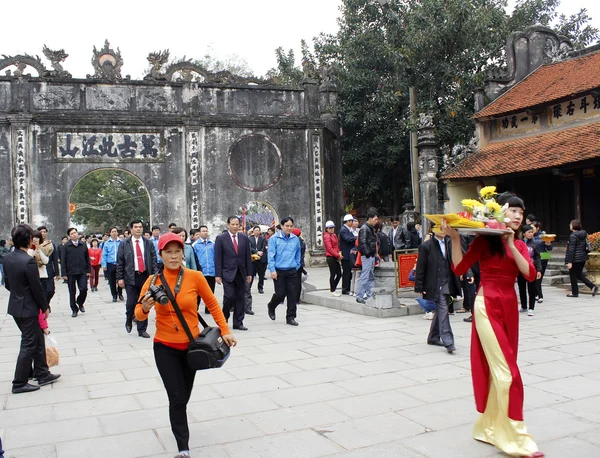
(233, 269)
(136, 261)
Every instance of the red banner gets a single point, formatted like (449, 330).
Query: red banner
(406, 262)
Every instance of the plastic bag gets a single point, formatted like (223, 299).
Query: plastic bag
(52, 355)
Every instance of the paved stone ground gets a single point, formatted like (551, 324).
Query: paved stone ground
(338, 385)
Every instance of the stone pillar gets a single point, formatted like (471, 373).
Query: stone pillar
(409, 214)
(318, 201)
(428, 167)
(20, 146)
(193, 148)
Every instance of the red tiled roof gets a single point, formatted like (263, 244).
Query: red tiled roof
(550, 149)
(548, 83)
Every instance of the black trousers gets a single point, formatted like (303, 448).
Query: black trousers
(48, 287)
(346, 275)
(133, 293)
(335, 273)
(234, 297)
(111, 274)
(286, 285)
(260, 268)
(538, 283)
(527, 288)
(576, 273)
(299, 274)
(32, 351)
(211, 283)
(79, 282)
(178, 380)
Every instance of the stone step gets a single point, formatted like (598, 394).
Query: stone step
(554, 272)
(555, 280)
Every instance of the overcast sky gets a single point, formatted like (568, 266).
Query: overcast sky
(250, 29)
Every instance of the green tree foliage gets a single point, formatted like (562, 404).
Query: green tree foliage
(126, 195)
(441, 47)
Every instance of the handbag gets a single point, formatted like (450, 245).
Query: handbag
(52, 354)
(208, 350)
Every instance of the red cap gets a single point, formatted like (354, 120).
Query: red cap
(170, 237)
(296, 231)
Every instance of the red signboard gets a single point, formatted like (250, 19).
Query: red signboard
(406, 262)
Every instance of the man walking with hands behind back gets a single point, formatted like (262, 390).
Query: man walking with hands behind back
(76, 268)
(233, 269)
(136, 261)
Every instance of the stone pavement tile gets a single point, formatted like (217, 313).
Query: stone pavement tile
(592, 436)
(296, 418)
(588, 408)
(375, 403)
(243, 373)
(381, 337)
(98, 359)
(159, 398)
(285, 346)
(91, 379)
(578, 349)
(48, 395)
(7, 375)
(536, 397)
(114, 365)
(443, 414)
(113, 348)
(323, 362)
(384, 349)
(451, 442)
(95, 407)
(239, 361)
(543, 355)
(213, 451)
(378, 367)
(54, 431)
(104, 390)
(135, 420)
(547, 423)
(213, 432)
(257, 385)
(230, 406)
(437, 373)
(130, 353)
(530, 379)
(570, 447)
(577, 387)
(440, 391)
(373, 383)
(210, 376)
(313, 377)
(395, 449)
(131, 445)
(368, 431)
(26, 416)
(297, 444)
(588, 360)
(41, 451)
(266, 358)
(139, 373)
(294, 336)
(329, 350)
(306, 394)
(593, 375)
(436, 358)
(557, 369)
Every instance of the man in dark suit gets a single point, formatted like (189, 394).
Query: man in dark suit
(258, 244)
(233, 269)
(347, 242)
(76, 268)
(27, 298)
(136, 261)
(436, 282)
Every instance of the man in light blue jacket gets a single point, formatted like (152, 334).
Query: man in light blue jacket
(205, 252)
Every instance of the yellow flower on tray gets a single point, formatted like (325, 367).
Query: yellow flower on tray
(487, 192)
(470, 204)
(494, 206)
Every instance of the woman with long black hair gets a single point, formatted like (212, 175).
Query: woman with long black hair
(495, 337)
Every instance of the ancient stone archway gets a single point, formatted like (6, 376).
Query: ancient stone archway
(108, 197)
(258, 213)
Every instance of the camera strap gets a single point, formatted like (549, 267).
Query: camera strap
(173, 301)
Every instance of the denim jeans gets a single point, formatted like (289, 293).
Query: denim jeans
(367, 278)
(2, 272)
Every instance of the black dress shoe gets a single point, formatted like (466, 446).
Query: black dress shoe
(572, 295)
(128, 327)
(272, 313)
(121, 297)
(291, 322)
(249, 312)
(74, 315)
(436, 343)
(240, 327)
(48, 379)
(144, 334)
(451, 349)
(25, 388)
(594, 291)
(82, 309)
(468, 319)
(115, 299)
(261, 291)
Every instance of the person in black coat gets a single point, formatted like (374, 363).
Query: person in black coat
(347, 242)
(136, 261)
(576, 257)
(258, 247)
(76, 268)
(412, 236)
(233, 269)
(436, 282)
(27, 298)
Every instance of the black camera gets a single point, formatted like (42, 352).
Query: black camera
(158, 294)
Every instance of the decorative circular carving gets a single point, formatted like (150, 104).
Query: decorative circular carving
(255, 163)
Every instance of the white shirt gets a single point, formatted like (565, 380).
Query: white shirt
(234, 237)
(135, 259)
(442, 244)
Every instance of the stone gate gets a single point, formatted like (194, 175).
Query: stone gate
(202, 143)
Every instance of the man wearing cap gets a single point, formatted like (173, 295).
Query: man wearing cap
(136, 261)
(347, 242)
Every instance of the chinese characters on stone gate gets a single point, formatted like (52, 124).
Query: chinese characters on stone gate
(142, 146)
(316, 148)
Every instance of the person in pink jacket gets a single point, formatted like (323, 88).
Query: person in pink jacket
(334, 256)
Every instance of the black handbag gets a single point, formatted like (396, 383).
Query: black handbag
(208, 350)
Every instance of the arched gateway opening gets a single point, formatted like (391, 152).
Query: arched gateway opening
(108, 197)
(258, 213)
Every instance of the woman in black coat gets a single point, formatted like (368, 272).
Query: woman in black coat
(576, 257)
(412, 240)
